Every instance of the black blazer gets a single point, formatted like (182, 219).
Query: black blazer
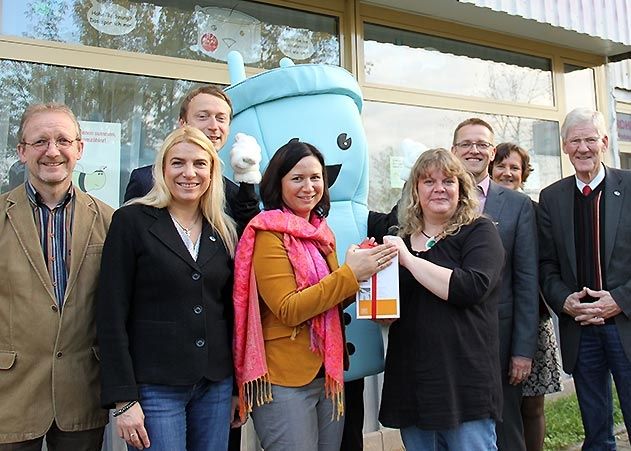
(162, 318)
(557, 251)
(242, 203)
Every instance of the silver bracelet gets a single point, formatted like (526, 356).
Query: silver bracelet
(123, 409)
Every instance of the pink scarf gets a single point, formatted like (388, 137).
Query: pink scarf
(304, 242)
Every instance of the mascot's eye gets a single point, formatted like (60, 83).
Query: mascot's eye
(344, 141)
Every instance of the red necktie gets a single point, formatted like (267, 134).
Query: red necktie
(587, 190)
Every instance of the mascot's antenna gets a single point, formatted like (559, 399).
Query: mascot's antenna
(236, 67)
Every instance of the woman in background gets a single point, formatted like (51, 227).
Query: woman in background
(288, 296)
(441, 385)
(511, 168)
(164, 305)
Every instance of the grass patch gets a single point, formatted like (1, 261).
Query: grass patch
(563, 422)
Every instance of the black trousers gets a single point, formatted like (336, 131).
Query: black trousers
(58, 440)
(353, 437)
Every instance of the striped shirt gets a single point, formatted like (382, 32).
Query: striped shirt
(55, 236)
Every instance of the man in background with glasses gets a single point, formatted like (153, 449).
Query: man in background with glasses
(518, 310)
(585, 267)
(51, 236)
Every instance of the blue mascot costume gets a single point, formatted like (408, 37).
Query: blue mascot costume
(321, 105)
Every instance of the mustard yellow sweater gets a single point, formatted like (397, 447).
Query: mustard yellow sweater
(284, 310)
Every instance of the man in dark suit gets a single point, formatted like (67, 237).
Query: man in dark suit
(585, 267)
(209, 109)
(513, 214)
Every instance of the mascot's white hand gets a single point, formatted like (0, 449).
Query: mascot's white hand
(411, 150)
(245, 157)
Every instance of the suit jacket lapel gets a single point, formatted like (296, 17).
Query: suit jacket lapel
(20, 214)
(614, 195)
(565, 208)
(494, 202)
(82, 224)
(164, 229)
(209, 245)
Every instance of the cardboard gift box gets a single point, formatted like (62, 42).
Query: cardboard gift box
(378, 297)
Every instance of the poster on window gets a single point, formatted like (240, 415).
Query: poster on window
(98, 170)
(221, 30)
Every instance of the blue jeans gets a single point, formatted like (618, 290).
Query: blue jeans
(477, 435)
(600, 355)
(187, 418)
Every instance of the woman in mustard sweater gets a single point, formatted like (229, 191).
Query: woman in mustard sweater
(289, 290)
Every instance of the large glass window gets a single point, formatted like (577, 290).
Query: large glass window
(262, 33)
(124, 120)
(410, 129)
(454, 67)
(580, 87)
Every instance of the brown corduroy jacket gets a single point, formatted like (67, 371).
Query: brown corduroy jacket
(49, 368)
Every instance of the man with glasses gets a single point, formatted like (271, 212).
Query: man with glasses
(518, 313)
(51, 236)
(585, 267)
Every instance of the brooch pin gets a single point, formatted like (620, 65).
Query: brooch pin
(212, 238)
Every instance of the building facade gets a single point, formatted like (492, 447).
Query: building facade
(423, 66)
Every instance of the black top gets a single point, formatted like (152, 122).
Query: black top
(442, 365)
(242, 203)
(162, 317)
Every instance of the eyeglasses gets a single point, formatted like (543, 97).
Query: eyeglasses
(60, 143)
(480, 145)
(590, 142)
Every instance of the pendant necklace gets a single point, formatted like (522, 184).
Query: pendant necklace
(431, 240)
(186, 230)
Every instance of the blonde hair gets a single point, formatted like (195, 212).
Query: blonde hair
(410, 212)
(212, 202)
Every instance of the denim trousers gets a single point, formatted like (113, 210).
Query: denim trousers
(187, 418)
(477, 435)
(298, 419)
(600, 355)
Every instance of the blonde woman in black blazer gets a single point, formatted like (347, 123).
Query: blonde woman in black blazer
(164, 314)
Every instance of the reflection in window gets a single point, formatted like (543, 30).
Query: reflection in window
(412, 129)
(455, 67)
(580, 87)
(625, 160)
(263, 34)
(623, 125)
(124, 115)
